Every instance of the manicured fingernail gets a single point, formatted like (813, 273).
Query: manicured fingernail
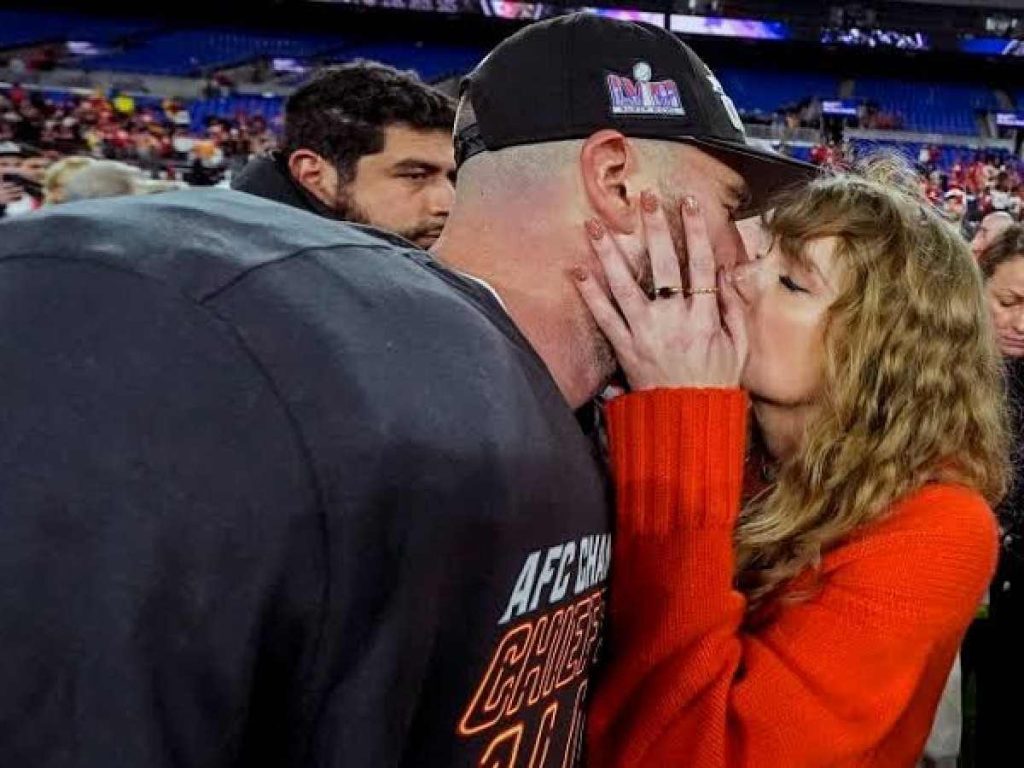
(595, 229)
(690, 205)
(649, 201)
(579, 274)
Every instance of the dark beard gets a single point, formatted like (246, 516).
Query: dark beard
(346, 209)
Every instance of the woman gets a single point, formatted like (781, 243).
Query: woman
(1002, 264)
(996, 642)
(817, 628)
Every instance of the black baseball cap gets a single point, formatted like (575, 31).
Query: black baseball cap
(570, 76)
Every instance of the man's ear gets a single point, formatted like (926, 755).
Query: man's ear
(313, 172)
(608, 164)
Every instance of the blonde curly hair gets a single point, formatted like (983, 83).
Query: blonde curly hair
(913, 390)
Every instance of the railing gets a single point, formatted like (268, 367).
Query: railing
(811, 136)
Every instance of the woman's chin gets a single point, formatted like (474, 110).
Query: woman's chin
(1014, 349)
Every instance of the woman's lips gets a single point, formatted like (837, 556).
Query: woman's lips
(1012, 344)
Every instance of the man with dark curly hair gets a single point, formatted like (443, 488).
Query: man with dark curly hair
(365, 143)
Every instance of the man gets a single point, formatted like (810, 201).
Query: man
(34, 165)
(1001, 195)
(364, 143)
(954, 204)
(283, 494)
(10, 157)
(993, 225)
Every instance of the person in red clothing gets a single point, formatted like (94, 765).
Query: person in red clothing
(815, 626)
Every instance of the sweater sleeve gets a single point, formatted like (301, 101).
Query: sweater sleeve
(830, 677)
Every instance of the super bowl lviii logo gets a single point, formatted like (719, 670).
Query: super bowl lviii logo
(641, 95)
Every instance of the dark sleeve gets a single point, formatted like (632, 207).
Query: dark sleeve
(161, 560)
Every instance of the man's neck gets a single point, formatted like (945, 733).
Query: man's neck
(534, 289)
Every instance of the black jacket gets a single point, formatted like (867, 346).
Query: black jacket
(268, 177)
(1008, 586)
(275, 492)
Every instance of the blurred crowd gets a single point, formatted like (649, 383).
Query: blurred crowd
(158, 139)
(967, 186)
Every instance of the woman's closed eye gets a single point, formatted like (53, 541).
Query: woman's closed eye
(790, 285)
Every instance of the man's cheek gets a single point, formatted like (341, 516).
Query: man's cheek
(728, 245)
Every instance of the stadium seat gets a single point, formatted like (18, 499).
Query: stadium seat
(431, 62)
(929, 107)
(764, 92)
(21, 28)
(267, 107)
(191, 52)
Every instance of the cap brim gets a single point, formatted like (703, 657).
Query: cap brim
(766, 173)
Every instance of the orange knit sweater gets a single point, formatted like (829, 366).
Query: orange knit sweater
(849, 677)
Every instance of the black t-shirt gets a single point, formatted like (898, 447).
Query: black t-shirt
(275, 491)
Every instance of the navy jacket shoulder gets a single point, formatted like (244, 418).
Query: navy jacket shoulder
(278, 490)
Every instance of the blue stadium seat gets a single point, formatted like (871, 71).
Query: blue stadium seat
(431, 62)
(189, 52)
(929, 107)
(765, 92)
(268, 107)
(20, 28)
(800, 153)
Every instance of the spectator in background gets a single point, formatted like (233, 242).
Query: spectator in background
(1001, 195)
(1016, 201)
(996, 641)
(954, 204)
(9, 193)
(931, 187)
(10, 157)
(34, 165)
(990, 228)
(1002, 262)
(366, 143)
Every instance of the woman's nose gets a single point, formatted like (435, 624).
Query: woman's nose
(749, 279)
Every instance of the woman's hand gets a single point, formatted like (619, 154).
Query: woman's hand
(676, 338)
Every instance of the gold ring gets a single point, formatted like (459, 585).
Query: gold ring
(702, 292)
(667, 291)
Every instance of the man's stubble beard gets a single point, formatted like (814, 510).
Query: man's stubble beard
(345, 206)
(347, 209)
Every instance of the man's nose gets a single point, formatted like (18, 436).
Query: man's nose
(442, 197)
